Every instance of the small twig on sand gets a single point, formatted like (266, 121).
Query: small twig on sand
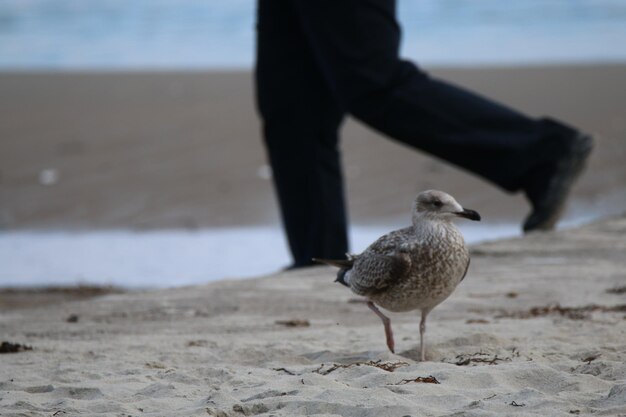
(385, 366)
(422, 379)
(617, 290)
(287, 371)
(591, 358)
(8, 347)
(293, 323)
(489, 361)
(463, 360)
(477, 321)
(573, 313)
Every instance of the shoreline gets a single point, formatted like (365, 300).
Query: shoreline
(46, 292)
(153, 259)
(169, 258)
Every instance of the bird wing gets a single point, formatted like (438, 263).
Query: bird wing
(374, 272)
(383, 263)
(393, 242)
(466, 268)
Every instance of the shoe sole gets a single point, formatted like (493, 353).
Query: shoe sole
(569, 169)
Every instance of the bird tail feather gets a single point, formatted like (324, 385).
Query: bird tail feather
(344, 266)
(339, 263)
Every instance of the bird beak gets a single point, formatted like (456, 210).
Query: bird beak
(469, 214)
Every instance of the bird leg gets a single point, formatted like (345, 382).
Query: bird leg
(386, 323)
(422, 332)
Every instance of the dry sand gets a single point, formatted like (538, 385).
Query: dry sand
(154, 150)
(219, 349)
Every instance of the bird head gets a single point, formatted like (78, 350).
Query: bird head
(437, 205)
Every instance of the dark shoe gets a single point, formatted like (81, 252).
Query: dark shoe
(550, 190)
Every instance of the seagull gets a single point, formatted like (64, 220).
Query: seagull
(415, 268)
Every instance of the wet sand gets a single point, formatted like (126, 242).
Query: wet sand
(183, 150)
(37, 297)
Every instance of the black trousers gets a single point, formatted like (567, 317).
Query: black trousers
(318, 60)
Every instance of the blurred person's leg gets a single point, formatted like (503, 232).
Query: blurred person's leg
(300, 125)
(357, 45)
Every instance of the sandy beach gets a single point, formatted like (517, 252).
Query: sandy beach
(536, 329)
(183, 150)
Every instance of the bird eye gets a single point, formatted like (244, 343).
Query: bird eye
(437, 204)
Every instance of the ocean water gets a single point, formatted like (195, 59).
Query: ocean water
(166, 258)
(170, 258)
(199, 34)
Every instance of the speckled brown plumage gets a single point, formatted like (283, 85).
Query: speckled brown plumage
(414, 268)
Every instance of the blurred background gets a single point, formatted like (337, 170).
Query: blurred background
(130, 149)
(201, 34)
